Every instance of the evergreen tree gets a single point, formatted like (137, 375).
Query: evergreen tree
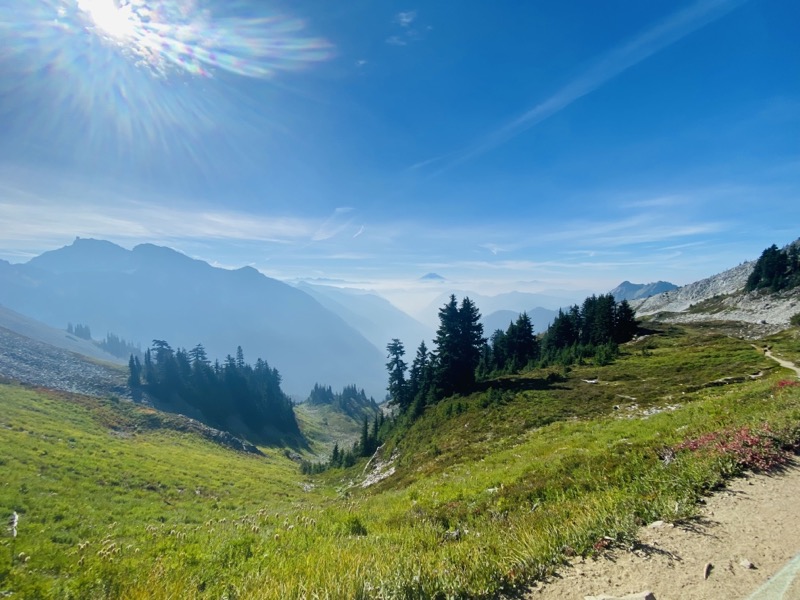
(398, 393)
(365, 445)
(459, 340)
(135, 372)
(625, 326)
(419, 378)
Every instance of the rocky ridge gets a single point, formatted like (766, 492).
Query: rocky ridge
(722, 298)
(37, 363)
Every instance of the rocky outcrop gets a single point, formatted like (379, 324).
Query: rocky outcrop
(722, 298)
(36, 363)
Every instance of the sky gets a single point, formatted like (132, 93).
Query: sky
(504, 146)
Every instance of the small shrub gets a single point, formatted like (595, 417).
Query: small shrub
(747, 449)
(354, 526)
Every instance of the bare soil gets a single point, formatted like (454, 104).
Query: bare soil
(754, 520)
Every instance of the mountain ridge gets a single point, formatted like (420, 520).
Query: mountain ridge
(634, 291)
(154, 292)
(723, 297)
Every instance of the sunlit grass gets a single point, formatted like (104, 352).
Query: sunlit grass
(492, 489)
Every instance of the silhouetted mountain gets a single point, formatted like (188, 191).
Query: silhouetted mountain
(374, 317)
(636, 291)
(500, 319)
(509, 301)
(153, 292)
(432, 277)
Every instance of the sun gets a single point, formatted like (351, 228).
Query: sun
(111, 17)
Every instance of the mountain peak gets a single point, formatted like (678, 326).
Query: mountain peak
(84, 254)
(636, 291)
(432, 277)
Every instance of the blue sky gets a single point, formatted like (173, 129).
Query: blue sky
(506, 145)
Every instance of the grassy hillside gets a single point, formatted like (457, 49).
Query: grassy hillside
(491, 489)
(325, 425)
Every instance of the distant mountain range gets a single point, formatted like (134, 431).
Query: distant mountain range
(374, 317)
(635, 291)
(154, 292)
(500, 319)
(540, 307)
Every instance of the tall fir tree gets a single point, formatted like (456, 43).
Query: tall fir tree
(398, 392)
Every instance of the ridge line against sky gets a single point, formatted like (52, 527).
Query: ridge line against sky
(570, 145)
(656, 38)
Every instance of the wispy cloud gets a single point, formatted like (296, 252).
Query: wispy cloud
(40, 223)
(405, 18)
(613, 63)
(333, 225)
(493, 248)
(408, 31)
(396, 40)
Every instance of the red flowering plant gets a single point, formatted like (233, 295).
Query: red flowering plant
(747, 449)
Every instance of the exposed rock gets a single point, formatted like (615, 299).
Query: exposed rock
(378, 468)
(36, 363)
(746, 564)
(722, 298)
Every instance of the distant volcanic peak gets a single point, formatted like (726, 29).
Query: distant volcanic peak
(432, 277)
(634, 291)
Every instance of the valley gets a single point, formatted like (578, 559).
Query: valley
(490, 492)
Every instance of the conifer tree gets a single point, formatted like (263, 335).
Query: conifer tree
(459, 340)
(398, 392)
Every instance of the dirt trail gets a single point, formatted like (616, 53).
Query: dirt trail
(753, 523)
(784, 363)
(755, 519)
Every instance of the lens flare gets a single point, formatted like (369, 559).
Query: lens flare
(111, 18)
(133, 73)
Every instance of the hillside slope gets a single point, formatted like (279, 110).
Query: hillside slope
(722, 297)
(35, 330)
(489, 491)
(37, 363)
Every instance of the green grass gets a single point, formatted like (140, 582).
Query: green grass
(325, 425)
(492, 490)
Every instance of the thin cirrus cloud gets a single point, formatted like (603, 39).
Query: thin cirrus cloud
(43, 223)
(616, 61)
(334, 225)
(406, 18)
(408, 32)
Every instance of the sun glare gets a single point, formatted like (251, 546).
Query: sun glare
(115, 20)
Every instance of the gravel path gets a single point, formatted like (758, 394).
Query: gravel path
(753, 522)
(784, 363)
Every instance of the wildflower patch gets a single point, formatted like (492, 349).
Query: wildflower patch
(754, 450)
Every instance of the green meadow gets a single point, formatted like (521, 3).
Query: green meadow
(491, 491)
